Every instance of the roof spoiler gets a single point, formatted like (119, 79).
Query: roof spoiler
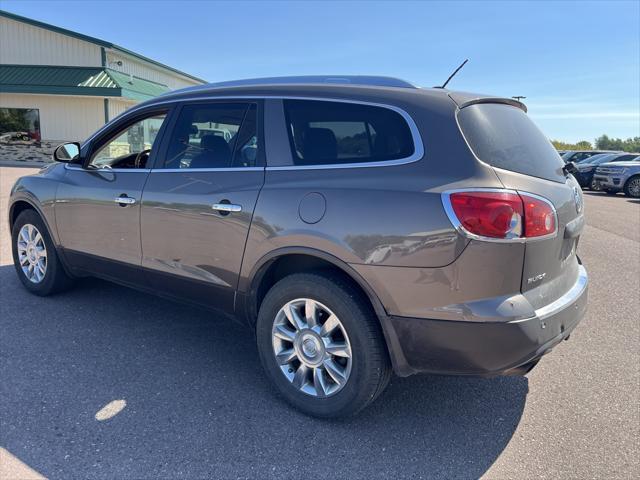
(501, 100)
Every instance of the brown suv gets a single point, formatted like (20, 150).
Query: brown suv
(359, 225)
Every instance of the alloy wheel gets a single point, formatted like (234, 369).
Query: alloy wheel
(311, 347)
(32, 253)
(634, 187)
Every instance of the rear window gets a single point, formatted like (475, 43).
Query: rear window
(329, 133)
(504, 137)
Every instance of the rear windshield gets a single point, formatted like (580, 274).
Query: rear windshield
(503, 136)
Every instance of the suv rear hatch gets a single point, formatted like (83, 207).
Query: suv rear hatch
(501, 135)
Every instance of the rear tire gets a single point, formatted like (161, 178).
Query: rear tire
(632, 187)
(35, 257)
(364, 363)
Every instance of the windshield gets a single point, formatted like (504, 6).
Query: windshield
(503, 136)
(598, 159)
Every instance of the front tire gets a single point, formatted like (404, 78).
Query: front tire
(35, 257)
(632, 187)
(321, 345)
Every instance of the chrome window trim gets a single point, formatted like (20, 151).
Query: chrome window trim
(448, 208)
(566, 299)
(418, 146)
(115, 170)
(225, 169)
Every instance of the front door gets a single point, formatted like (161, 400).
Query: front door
(198, 202)
(98, 203)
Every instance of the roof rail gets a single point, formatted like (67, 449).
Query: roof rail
(369, 80)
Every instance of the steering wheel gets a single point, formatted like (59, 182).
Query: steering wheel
(138, 161)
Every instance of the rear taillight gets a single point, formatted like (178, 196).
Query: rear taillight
(539, 216)
(500, 214)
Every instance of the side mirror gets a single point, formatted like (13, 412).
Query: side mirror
(67, 152)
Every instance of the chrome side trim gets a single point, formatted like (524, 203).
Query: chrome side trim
(384, 163)
(448, 208)
(114, 170)
(566, 299)
(418, 145)
(190, 170)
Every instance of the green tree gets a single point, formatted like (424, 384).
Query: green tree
(581, 145)
(604, 142)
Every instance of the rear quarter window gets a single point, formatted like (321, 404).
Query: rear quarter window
(504, 136)
(331, 133)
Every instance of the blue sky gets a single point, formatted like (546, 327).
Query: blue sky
(578, 63)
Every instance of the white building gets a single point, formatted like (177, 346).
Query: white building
(58, 85)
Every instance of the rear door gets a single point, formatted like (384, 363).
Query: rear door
(198, 201)
(504, 137)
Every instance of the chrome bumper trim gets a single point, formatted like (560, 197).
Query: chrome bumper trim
(568, 298)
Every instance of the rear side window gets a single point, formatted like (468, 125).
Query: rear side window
(504, 137)
(217, 135)
(330, 133)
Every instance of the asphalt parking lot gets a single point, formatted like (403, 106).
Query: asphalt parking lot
(198, 405)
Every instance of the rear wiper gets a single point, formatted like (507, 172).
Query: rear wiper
(570, 168)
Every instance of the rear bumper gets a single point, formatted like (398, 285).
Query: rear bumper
(484, 348)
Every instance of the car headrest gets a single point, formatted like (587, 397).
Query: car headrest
(215, 153)
(213, 142)
(319, 144)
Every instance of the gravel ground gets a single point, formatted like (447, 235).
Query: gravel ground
(198, 405)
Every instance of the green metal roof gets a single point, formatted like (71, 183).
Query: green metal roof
(92, 81)
(95, 41)
(134, 87)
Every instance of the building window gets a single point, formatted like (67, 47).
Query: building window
(19, 125)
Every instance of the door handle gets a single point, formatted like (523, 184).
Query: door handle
(124, 200)
(226, 208)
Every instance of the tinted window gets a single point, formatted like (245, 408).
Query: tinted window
(334, 132)
(624, 158)
(214, 136)
(504, 137)
(601, 159)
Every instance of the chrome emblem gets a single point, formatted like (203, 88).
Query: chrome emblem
(537, 278)
(577, 199)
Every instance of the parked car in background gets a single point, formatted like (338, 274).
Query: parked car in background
(620, 176)
(577, 156)
(587, 167)
(325, 225)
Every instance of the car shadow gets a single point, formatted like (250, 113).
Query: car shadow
(198, 404)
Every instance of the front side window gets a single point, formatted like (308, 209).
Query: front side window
(330, 133)
(131, 147)
(217, 135)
